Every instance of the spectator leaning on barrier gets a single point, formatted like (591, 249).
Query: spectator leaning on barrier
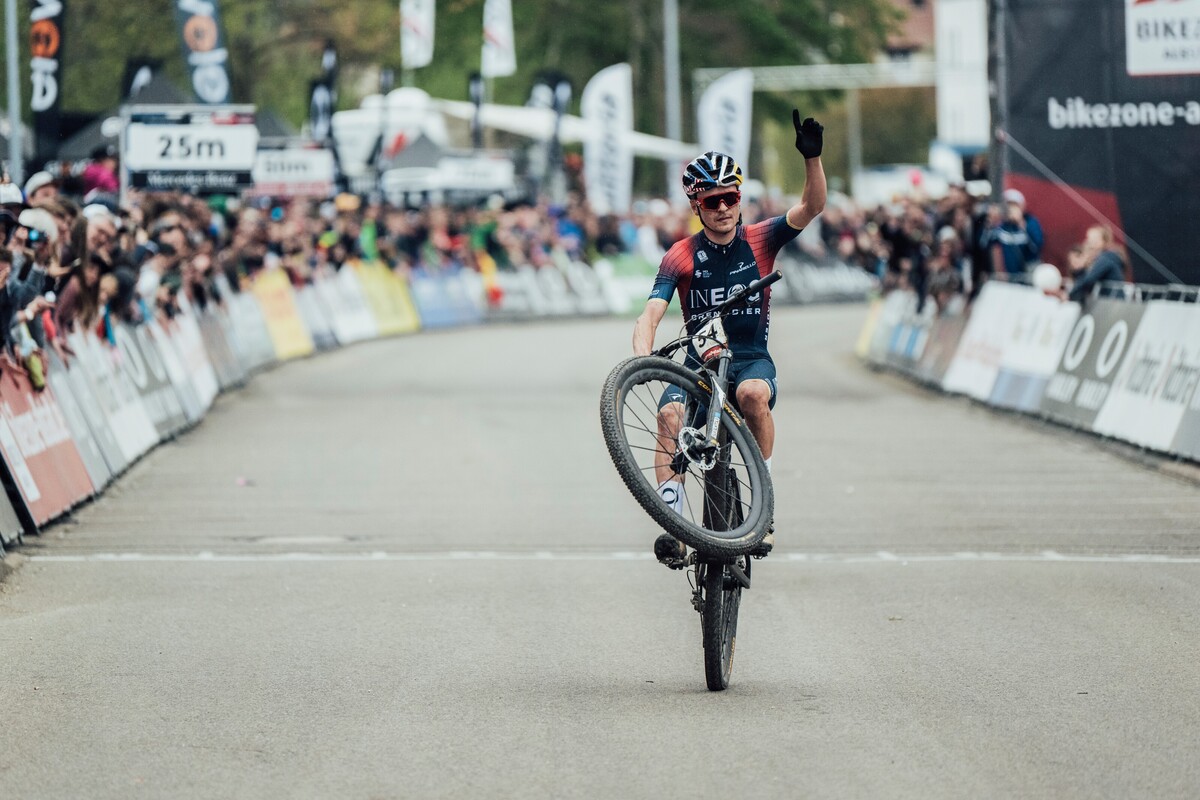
(1015, 243)
(1101, 263)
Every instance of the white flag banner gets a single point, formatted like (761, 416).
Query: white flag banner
(723, 115)
(607, 110)
(499, 48)
(416, 33)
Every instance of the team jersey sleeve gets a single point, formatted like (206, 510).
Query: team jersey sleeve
(768, 237)
(671, 271)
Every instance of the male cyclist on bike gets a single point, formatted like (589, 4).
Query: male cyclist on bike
(705, 268)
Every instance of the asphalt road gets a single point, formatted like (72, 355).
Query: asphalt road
(409, 570)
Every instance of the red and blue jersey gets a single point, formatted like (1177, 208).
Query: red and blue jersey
(705, 274)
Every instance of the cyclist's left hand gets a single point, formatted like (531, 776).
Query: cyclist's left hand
(809, 135)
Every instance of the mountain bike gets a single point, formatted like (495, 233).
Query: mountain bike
(668, 420)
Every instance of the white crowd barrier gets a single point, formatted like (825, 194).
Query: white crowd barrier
(1124, 370)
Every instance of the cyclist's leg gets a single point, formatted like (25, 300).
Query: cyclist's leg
(755, 391)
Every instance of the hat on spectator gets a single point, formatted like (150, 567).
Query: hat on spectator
(1014, 196)
(95, 211)
(41, 220)
(10, 195)
(36, 181)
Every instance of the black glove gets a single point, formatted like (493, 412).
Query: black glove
(809, 135)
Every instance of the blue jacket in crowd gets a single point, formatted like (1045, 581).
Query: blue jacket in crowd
(1022, 249)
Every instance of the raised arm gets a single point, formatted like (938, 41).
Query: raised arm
(809, 141)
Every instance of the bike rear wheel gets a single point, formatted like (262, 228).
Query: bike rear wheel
(719, 615)
(715, 519)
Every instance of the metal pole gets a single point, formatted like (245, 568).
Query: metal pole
(1000, 168)
(16, 145)
(855, 145)
(671, 74)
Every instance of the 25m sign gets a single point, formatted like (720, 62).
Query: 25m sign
(191, 147)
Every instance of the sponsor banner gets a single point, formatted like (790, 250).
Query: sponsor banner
(253, 337)
(81, 429)
(867, 333)
(122, 405)
(387, 297)
(1162, 37)
(433, 303)
(295, 172)
(1116, 117)
(315, 319)
(138, 357)
(45, 48)
(1187, 438)
(184, 333)
(1040, 331)
(607, 109)
(191, 148)
(204, 49)
(896, 306)
(93, 412)
(940, 349)
(39, 451)
(499, 56)
(322, 98)
(976, 363)
(1095, 349)
(214, 328)
(350, 315)
(177, 373)
(289, 334)
(723, 115)
(10, 524)
(1157, 380)
(907, 343)
(416, 33)
(553, 287)
(585, 286)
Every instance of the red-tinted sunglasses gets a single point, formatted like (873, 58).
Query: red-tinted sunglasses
(713, 201)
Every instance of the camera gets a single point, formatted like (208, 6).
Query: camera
(34, 236)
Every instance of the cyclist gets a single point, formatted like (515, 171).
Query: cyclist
(705, 268)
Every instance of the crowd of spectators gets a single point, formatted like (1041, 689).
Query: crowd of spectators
(73, 258)
(946, 249)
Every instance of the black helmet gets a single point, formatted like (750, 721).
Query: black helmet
(710, 171)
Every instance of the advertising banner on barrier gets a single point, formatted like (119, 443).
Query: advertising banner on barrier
(433, 304)
(1187, 438)
(225, 361)
(1040, 330)
(315, 319)
(940, 349)
(142, 364)
(1154, 385)
(976, 363)
(906, 345)
(251, 335)
(94, 412)
(193, 407)
(1095, 348)
(37, 446)
(288, 332)
(585, 286)
(77, 420)
(388, 298)
(127, 416)
(10, 525)
(184, 333)
(895, 306)
(352, 318)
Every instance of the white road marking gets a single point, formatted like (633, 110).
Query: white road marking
(881, 557)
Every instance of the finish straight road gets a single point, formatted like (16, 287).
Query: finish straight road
(408, 569)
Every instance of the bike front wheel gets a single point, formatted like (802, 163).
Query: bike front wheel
(647, 407)
(719, 615)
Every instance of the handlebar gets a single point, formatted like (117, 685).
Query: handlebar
(752, 289)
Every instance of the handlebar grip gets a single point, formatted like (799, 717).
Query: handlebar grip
(753, 288)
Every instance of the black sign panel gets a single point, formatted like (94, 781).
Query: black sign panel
(45, 98)
(1091, 361)
(1084, 108)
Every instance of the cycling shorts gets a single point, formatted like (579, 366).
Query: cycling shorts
(762, 369)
